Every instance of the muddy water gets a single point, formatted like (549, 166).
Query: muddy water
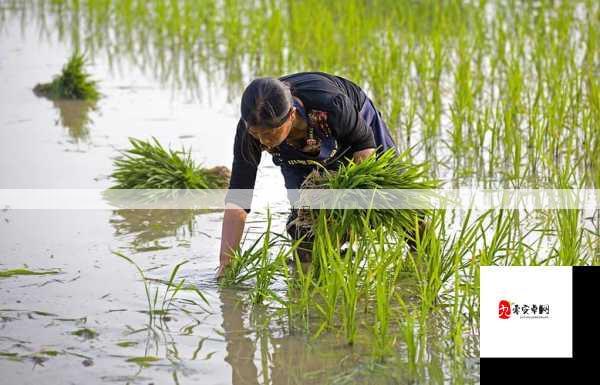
(89, 323)
(48, 144)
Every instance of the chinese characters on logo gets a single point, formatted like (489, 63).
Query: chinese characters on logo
(506, 309)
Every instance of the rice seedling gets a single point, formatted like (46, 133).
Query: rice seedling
(150, 166)
(328, 285)
(408, 329)
(266, 269)
(72, 83)
(168, 295)
(17, 272)
(266, 272)
(349, 270)
(497, 249)
(256, 263)
(386, 270)
(243, 264)
(300, 296)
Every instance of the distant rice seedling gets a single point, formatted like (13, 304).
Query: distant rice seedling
(148, 165)
(72, 83)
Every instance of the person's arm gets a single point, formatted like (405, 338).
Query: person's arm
(351, 128)
(234, 220)
(239, 196)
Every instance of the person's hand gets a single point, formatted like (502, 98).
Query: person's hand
(361, 155)
(220, 272)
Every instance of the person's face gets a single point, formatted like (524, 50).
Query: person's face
(272, 137)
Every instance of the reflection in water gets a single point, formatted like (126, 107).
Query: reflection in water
(75, 117)
(240, 347)
(150, 225)
(260, 349)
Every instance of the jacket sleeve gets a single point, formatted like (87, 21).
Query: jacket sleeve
(348, 126)
(246, 157)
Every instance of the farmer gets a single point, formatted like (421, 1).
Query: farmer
(301, 119)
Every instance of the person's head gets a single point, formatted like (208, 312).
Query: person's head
(268, 109)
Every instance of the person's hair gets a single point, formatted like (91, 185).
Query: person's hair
(266, 103)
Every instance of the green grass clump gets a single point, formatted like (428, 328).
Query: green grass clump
(148, 165)
(72, 83)
(85, 333)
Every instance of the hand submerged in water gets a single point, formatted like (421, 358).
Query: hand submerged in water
(220, 272)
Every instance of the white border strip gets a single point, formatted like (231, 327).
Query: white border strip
(214, 199)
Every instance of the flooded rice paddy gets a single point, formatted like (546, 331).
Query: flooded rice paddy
(507, 97)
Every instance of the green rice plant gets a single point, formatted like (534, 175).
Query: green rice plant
(327, 283)
(72, 83)
(16, 272)
(244, 263)
(385, 272)
(301, 293)
(498, 238)
(169, 294)
(269, 268)
(150, 166)
(265, 268)
(569, 232)
(569, 237)
(463, 98)
(408, 331)
(429, 264)
(256, 263)
(349, 269)
(439, 256)
(328, 287)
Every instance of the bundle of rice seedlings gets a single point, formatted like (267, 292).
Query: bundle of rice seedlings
(72, 83)
(150, 166)
(378, 172)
